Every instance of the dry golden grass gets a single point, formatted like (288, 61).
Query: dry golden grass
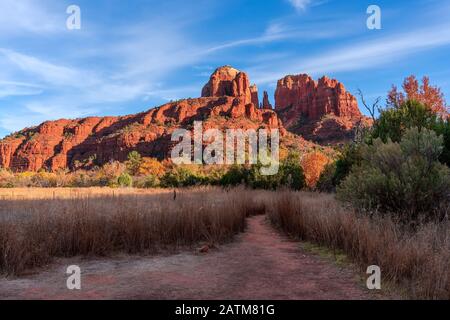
(418, 261)
(67, 193)
(39, 224)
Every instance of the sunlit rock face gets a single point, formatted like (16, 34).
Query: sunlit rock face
(322, 111)
(88, 142)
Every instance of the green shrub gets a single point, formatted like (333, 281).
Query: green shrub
(442, 127)
(337, 171)
(289, 175)
(150, 181)
(391, 126)
(326, 181)
(256, 180)
(393, 123)
(404, 178)
(125, 180)
(350, 156)
(182, 177)
(236, 175)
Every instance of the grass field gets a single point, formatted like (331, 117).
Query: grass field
(38, 225)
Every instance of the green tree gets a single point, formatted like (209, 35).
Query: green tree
(182, 177)
(134, 162)
(442, 127)
(236, 175)
(393, 122)
(326, 181)
(291, 172)
(290, 175)
(350, 155)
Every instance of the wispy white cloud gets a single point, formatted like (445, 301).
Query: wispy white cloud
(32, 113)
(46, 71)
(300, 4)
(57, 109)
(13, 88)
(94, 86)
(274, 32)
(174, 93)
(278, 31)
(70, 92)
(359, 56)
(14, 122)
(28, 16)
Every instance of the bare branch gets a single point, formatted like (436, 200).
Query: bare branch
(371, 109)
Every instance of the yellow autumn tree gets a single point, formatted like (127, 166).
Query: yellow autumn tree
(151, 166)
(313, 165)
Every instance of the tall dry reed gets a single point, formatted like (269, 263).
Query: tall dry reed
(417, 260)
(40, 224)
(65, 224)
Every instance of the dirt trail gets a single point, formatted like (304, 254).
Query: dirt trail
(260, 264)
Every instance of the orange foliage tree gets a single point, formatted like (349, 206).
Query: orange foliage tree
(425, 93)
(151, 166)
(313, 165)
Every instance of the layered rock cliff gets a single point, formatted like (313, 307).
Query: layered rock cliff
(228, 81)
(93, 141)
(322, 111)
(266, 103)
(254, 95)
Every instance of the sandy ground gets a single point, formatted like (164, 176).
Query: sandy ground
(260, 264)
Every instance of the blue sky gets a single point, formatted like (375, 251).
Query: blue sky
(132, 55)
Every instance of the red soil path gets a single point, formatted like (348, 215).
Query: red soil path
(260, 264)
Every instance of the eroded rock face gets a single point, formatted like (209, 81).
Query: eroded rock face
(314, 99)
(254, 94)
(83, 143)
(228, 81)
(321, 111)
(266, 103)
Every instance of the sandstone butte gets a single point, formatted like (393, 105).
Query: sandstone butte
(227, 101)
(321, 111)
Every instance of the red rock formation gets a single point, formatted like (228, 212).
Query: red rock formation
(96, 140)
(266, 103)
(306, 107)
(315, 99)
(254, 93)
(228, 81)
(320, 111)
